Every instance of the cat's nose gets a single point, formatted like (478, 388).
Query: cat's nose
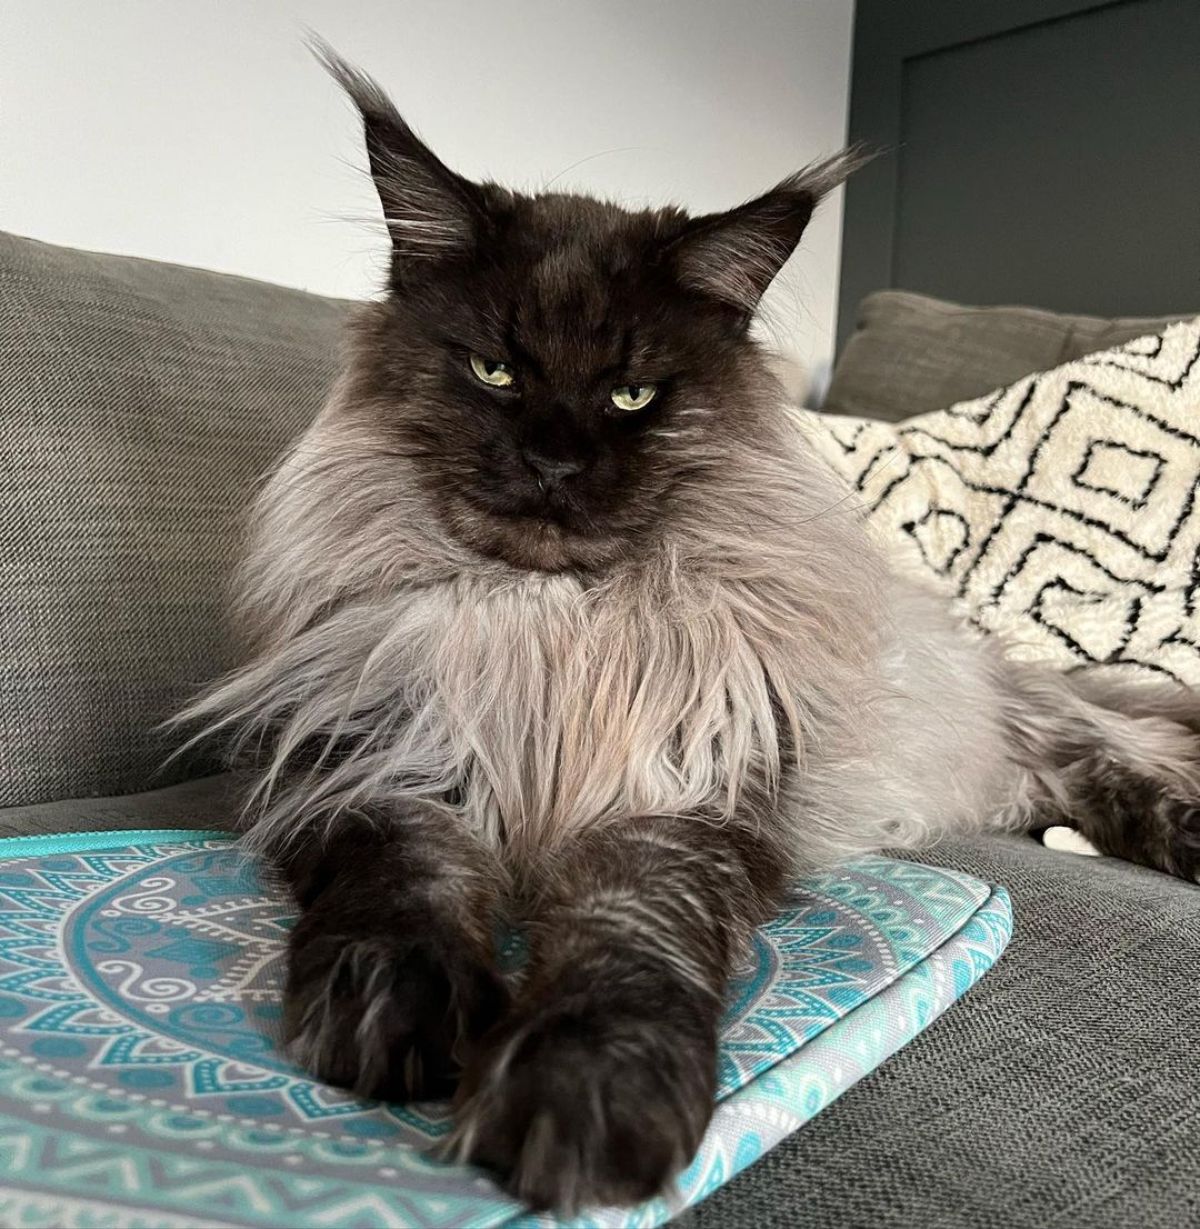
(553, 470)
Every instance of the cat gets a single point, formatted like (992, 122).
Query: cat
(559, 621)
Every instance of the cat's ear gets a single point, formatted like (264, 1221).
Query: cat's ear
(734, 256)
(431, 212)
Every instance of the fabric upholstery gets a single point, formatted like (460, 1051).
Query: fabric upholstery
(205, 803)
(910, 354)
(1062, 510)
(1062, 1092)
(139, 404)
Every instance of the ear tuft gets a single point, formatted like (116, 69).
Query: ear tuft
(819, 178)
(364, 91)
(431, 212)
(734, 256)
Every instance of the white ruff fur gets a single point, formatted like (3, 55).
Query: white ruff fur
(528, 705)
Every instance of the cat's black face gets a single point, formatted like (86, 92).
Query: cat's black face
(561, 368)
(566, 383)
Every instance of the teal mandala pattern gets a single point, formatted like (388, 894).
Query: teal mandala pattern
(142, 1082)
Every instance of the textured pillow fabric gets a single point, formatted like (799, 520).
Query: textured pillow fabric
(910, 354)
(1062, 511)
(139, 404)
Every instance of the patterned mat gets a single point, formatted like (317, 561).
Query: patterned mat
(142, 1084)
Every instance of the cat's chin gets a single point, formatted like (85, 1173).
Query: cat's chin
(538, 544)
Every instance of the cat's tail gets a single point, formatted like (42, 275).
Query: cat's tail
(1119, 762)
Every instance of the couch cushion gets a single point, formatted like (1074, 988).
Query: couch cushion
(139, 403)
(208, 803)
(909, 353)
(1062, 1091)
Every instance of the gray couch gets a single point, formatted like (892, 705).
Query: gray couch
(140, 403)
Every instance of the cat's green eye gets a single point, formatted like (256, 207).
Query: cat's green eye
(630, 397)
(492, 372)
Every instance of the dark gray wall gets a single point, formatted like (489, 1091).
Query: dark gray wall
(1037, 151)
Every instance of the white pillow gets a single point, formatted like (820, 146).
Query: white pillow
(1062, 512)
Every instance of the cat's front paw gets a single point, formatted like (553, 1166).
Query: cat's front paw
(385, 1017)
(586, 1109)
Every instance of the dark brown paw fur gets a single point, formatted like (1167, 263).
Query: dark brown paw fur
(1132, 816)
(579, 1108)
(385, 1017)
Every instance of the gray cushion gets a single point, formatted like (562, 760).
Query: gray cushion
(139, 404)
(910, 354)
(1064, 1090)
(205, 803)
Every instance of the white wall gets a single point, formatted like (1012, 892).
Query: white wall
(202, 131)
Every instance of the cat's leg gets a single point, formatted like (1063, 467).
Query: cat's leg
(598, 1086)
(390, 964)
(970, 738)
(1120, 763)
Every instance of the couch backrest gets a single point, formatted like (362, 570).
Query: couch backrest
(139, 405)
(910, 354)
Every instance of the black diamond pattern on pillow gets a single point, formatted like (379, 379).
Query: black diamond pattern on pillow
(1128, 474)
(1062, 512)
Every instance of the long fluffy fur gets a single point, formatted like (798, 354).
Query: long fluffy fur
(632, 724)
(541, 704)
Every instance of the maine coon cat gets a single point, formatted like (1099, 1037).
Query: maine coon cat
(557, 620)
